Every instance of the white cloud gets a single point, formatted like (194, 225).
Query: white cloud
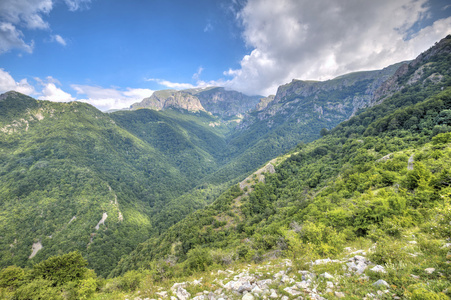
(110, 98)
(18, 14)
(7, 83)
(182, 85)
(77, 4)
(172, 85)
(59, 39)
(26, 12)
(51, 92)
(325, 38)
(11, 37)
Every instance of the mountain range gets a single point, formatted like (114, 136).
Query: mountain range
(215, 174)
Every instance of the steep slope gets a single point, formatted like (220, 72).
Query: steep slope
(225, 103)
(186, 139)
(161, 100)
(72, 179)
(296, 114)
(365, 178)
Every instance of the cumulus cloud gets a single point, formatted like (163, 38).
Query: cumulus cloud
(322, 39)
(110, 98)
(26, 12)
(18, 14)
(11, 37)
(7, 83)
(51, 92)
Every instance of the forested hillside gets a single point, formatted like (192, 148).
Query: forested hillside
(67, 167)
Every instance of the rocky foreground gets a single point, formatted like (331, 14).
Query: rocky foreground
(280, 280)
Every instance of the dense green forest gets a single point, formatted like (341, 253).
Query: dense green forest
(379, 182)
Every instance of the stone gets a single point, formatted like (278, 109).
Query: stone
(304, 284)
(429, 270)
(196, 282)
(330, 284)
(327, 275)
(200, 297)
(292, 290)
(163, 294)
(285, 298)
(263, 284)
(381, 282)
(359, 252)
(212, 296)
(339, 294)
(286, 279)
(379, 269)
(248, 296)
(182, 294)
(273, 294)
(415, 276)
(257, 290)
(357, 264)
(245, 287)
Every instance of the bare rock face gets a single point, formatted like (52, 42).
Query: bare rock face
(225, 103)
(161, 100)
(416, 69)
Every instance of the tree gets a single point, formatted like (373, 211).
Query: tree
(61, 269)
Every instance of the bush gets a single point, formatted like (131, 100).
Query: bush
(12, 277)
(198, 259)
(130, 281)
(38, 289)
(61, 269)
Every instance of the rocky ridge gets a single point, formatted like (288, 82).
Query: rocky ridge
(417, 69)
(165, 99)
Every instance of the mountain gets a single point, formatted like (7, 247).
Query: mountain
(379, 179)
(74, 178)
(228, 105)
(165, 99)
(225, 103)
(297, 113)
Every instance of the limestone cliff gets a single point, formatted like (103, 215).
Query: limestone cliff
(164, 99)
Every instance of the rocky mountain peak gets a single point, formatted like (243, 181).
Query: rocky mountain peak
(164, 99)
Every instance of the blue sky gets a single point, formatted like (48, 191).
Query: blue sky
(112, 53)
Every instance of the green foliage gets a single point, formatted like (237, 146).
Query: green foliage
(12, 277)
(39, 289)
(198, 259)
(59, 270)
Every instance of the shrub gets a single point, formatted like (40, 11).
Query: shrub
(12, 277)
(61, 269)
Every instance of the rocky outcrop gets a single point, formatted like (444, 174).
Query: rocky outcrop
(414, 71)
(216, 100)
(225, 103)
(165, 99)
(264, 102)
